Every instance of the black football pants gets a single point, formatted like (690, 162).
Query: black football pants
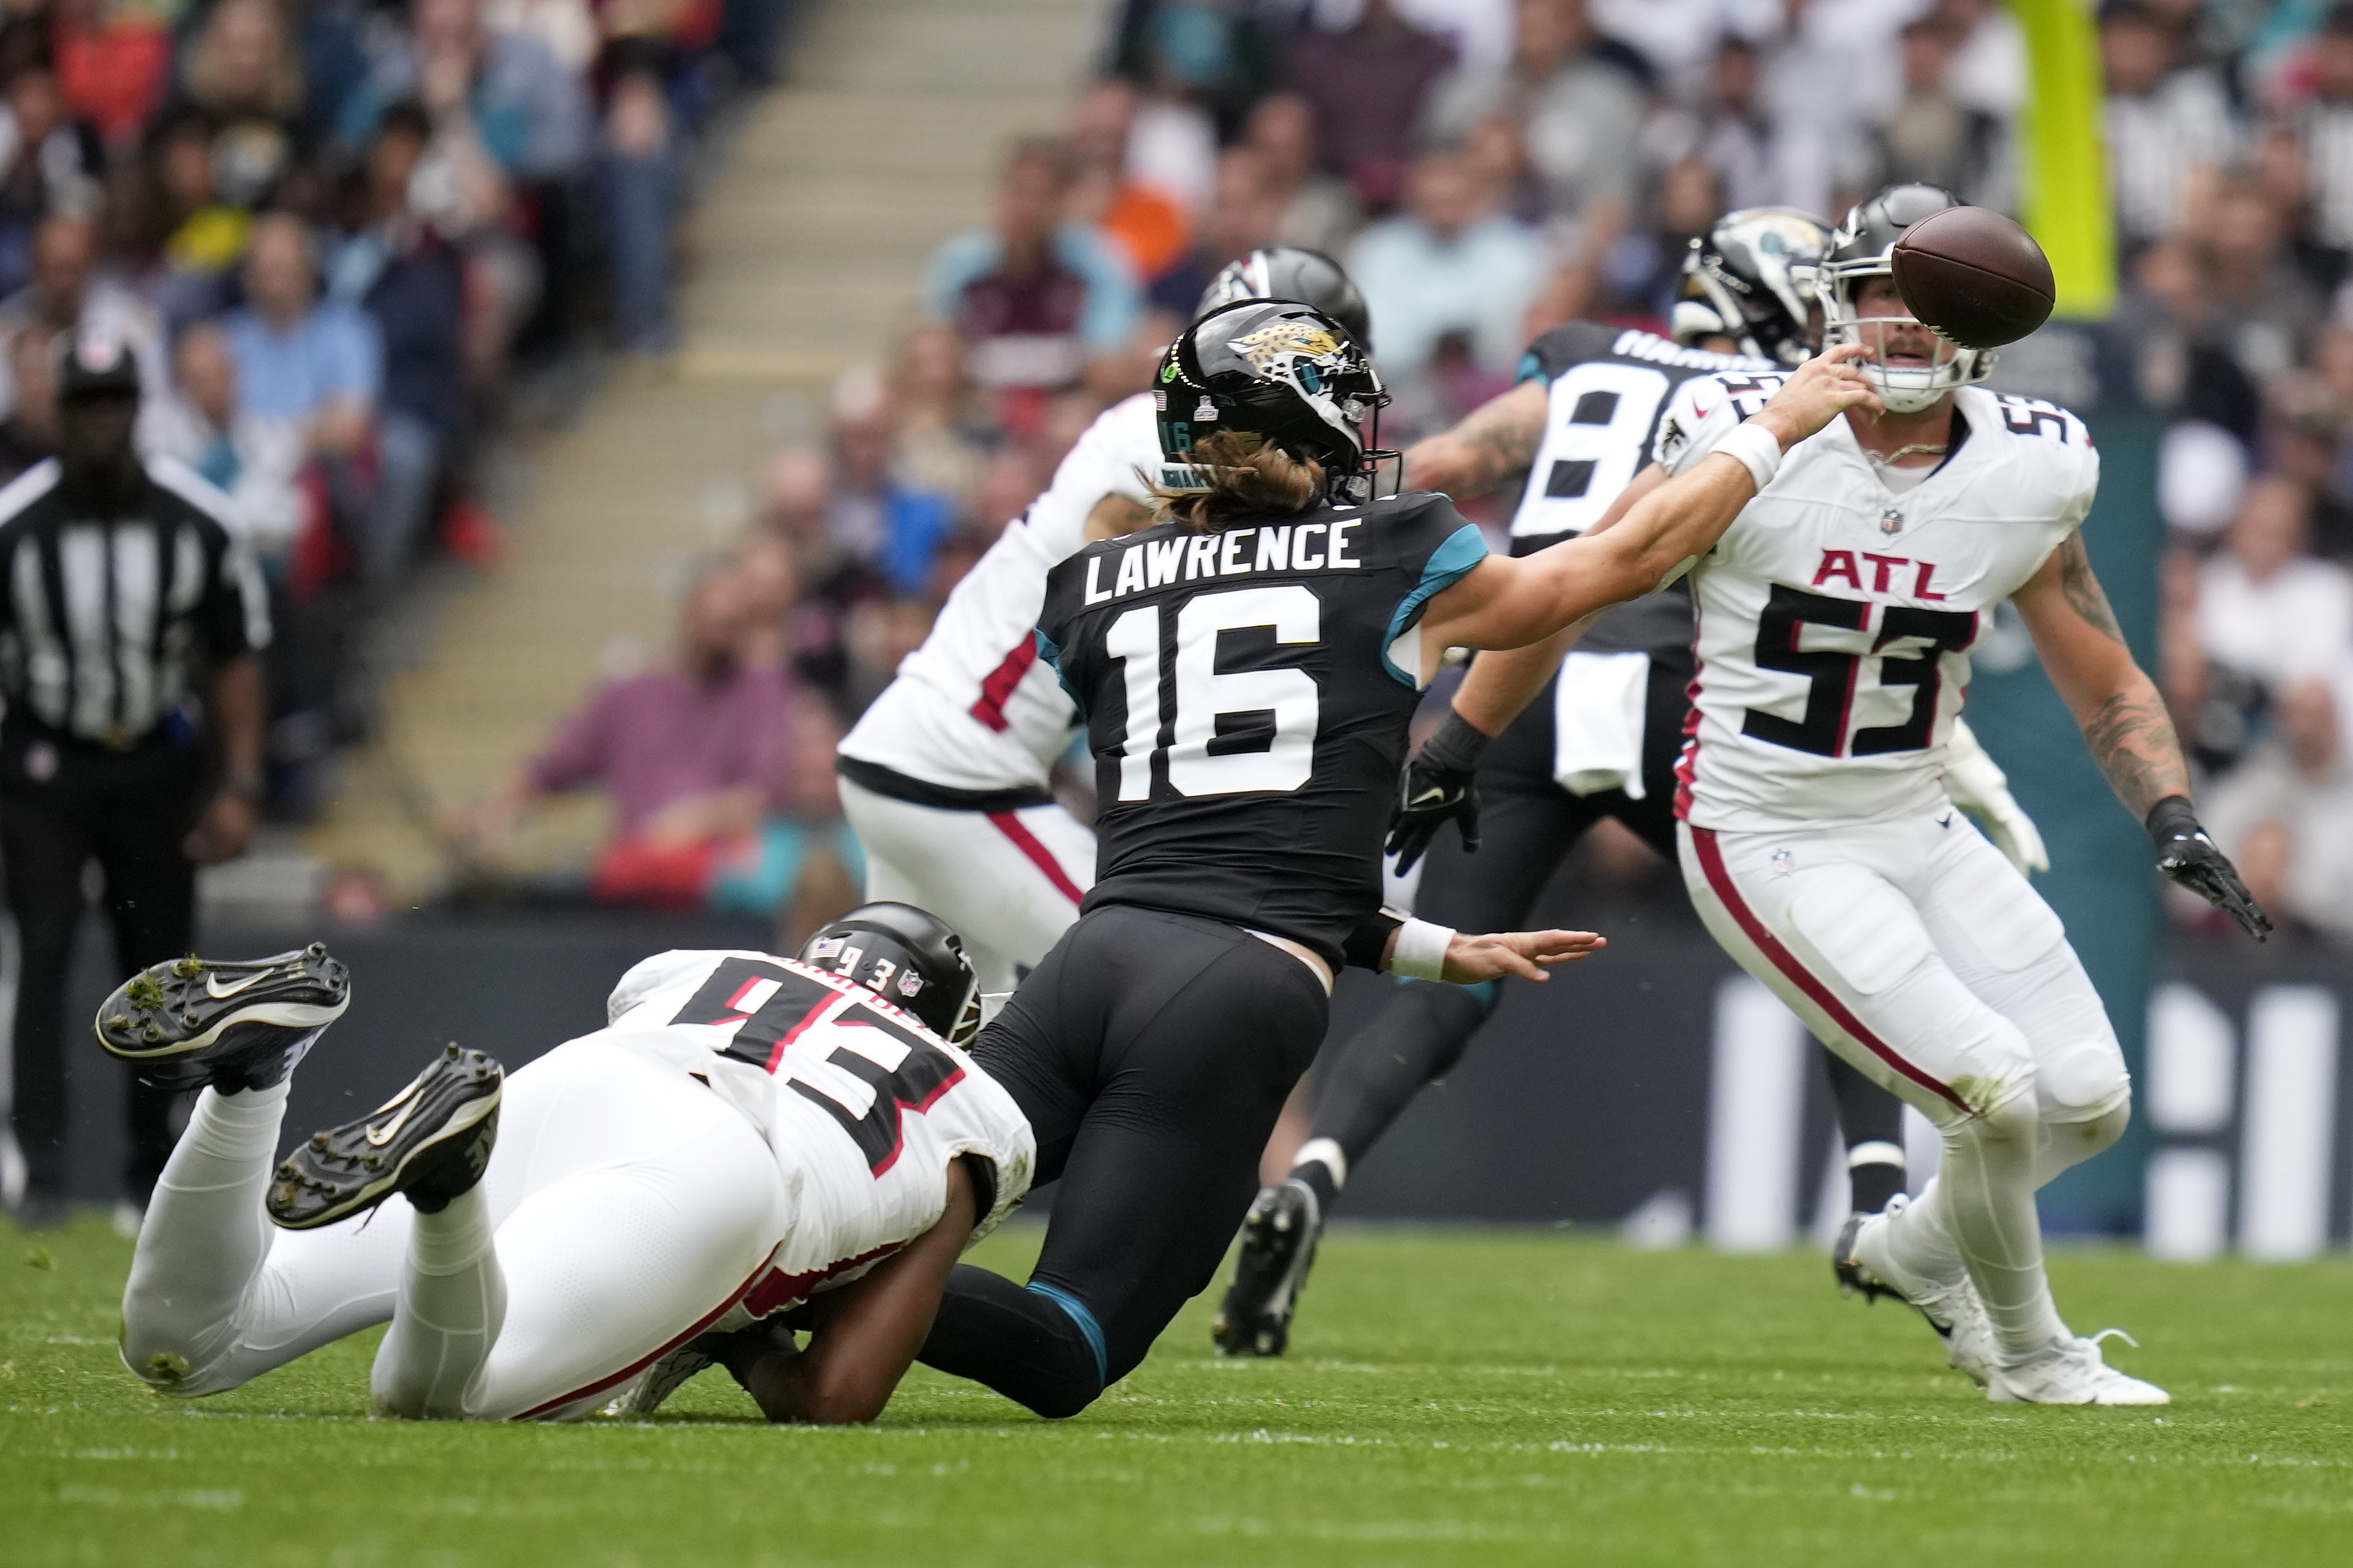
(1152, 1053)
(64, 803)
(1527, 825)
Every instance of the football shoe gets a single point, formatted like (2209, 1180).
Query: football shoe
(429, 1143)
(235, 1025)
(2072, 1372)
(1279, 1237)
(1862, 1266)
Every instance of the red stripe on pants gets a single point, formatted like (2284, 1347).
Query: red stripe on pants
(1719, 878)
(1040, 855)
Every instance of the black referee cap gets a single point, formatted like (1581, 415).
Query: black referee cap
(91, 364)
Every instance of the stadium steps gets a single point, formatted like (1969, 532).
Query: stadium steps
(808, 246)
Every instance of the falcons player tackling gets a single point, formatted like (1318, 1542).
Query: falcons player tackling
(1817, 841)
(750, 1136)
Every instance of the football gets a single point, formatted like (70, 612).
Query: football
(1975, 275)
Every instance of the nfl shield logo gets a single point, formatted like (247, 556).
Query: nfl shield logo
(1891, 520)
(1784, 862)
(910, 983)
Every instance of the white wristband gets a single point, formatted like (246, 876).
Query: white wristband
(1420, 950)
(1754, 448)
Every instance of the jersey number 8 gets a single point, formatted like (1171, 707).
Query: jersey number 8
(1216, 741)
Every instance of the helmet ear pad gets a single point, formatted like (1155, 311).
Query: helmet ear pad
(908, 956)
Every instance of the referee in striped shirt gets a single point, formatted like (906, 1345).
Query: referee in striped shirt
(132, 623)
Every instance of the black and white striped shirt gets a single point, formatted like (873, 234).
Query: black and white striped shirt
(105, 619)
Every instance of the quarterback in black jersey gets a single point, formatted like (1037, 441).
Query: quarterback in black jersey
(1247, 668)
(1580, 426)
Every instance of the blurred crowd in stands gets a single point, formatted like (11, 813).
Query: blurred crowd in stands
(343, 237)
(1488, 168)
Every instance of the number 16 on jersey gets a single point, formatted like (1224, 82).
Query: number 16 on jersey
(1221, 732)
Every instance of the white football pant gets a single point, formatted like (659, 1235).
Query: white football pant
(1913, 949)
(1007, 883)
(626, 1208)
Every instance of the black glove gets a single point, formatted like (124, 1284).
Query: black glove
(1438, 786)
(2189, 857)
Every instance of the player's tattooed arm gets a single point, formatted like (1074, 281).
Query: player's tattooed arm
(1490, 447)
(2125, 724)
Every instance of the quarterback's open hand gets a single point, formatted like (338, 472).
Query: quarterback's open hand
(1523, 954)
(2187, 856)
(1439, 786)
(1822, 388)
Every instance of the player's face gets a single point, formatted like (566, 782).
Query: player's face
(1892, 336)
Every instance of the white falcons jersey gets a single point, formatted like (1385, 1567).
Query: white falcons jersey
(863, 1106)
(1836, 615)
(972, 708)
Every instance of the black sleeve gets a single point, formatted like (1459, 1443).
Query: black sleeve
(1572, 343)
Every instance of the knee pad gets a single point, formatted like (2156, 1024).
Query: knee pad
(2085, 1081)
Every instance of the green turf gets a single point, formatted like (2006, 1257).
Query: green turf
(1452, 1396)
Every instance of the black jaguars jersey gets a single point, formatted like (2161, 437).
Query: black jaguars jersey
(1246, 696)
(1610, 387)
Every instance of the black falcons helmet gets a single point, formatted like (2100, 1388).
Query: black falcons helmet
(1284, 371)
(1750, 277)
(907, 956)
(1292, 273)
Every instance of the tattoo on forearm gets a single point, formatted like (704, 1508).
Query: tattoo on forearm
(2083, 590)
(2132, 739)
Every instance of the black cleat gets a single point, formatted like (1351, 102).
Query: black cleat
(1279, 1237)
(431, 1142)
(1852, 1279)
(195, 1020)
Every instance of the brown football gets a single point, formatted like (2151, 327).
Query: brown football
(1974, 276)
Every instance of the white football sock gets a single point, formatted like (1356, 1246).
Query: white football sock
(1987, 1202)
(1327, 1152)
(453, 1299)
(206, 1237)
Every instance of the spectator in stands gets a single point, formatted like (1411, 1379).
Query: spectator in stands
(1579, 98)
(504, 94)
(1319, 211)
(687, 756)
(1366, 86)
(257, 461)
(2279, 172)
(2264, 608)
(317, 363)
(68, 291)
(394, 268)
(1149, 226)
(244, 69)
(944, 433)
(872, 514)
(113, 64)
(1213, 53)
(52, 164)
(1243, 217)
(2285, 814)
(200, 238)
(1444, 266)
(2261, 309)
(1935, 137)
(643, 157)
(2324, 129)
(29, 432)
(2165, 128)
(1037, 298)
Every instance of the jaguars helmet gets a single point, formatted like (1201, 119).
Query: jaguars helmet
(1864, 247)
(1751, 278)
(1274, 368)
(907, 956)
(1292, 273)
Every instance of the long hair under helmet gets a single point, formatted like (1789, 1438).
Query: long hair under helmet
(1292, 273)
(1281, 370)
(1862, 247)
(908, 956)
(1752, 278)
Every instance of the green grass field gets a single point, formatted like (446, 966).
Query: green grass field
(1451, 1396)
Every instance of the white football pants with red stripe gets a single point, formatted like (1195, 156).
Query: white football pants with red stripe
(626, 1209)
(1008, 883)
(1913, 949)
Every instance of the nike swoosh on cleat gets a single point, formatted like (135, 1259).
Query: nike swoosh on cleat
(380, 1135)
(219, 992)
